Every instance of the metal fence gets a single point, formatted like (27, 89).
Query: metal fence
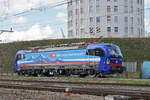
(131, 67)
(145, 70)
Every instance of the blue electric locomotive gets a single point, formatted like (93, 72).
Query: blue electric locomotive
(92, 59)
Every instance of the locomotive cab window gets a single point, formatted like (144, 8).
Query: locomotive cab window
(20, 56)
(95, 52)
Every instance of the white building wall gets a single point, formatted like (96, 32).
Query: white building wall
(82, 21)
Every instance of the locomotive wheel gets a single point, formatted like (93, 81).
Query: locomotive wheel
(20, 73)
(39, 75)
(61, 72)
(92, 73)
(100, 74)
(68, 72)
(51, 73)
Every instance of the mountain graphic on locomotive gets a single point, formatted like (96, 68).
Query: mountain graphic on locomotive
(97, 59)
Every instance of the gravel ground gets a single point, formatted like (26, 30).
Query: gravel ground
(19, 94)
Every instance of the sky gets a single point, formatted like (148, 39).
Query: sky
(39, 19)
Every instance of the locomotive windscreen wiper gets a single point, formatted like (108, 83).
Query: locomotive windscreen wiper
(116, 56)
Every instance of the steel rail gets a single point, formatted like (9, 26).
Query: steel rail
(80, 83)
(142, 94)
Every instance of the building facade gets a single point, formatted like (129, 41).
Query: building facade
(107, 18)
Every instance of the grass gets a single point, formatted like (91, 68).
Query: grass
(135, 75)
(133, 82)
(107, 80)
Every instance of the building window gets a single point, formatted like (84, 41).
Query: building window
(126, 19)
(97, 8)
(126, 9)
(115, 0)
(131, 9)
(81, 10)
(108, 29)
(115, 29)
(126, 6)
(126, 29)
(141, 2)
(77, 31)
(126, 2)
(97, 19)
(81, 1)
(70, 2)
(77, 11)
(77, 1)
(131, 6)
(138, 1)
(108, 18)
(97, 0)
(91, 9)
(116, 19)
(108, 9)
(139, 32)
(77, 23)
(70, 13)
(115, 8)
(81, 21)
(138, 11)
(70, 33)
(91, 1)
(108, 0)
(132, 21)
(82, 30)
(138, 20)
(141, 20)
(91, 19)
(132, 30)
(69, 23)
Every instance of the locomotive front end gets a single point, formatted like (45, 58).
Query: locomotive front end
(114, 59)
(18, 58)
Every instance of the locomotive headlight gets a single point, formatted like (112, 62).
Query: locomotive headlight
(107, 61)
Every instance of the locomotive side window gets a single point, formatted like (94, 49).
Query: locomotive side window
(20, 56)
(95, 52)
(91, 52)
(99, 52)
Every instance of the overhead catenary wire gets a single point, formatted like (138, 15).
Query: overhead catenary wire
(48, 6)
(42, 8)
(62, 3)
(62, 23)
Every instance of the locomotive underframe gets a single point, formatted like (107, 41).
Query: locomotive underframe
(55, 70)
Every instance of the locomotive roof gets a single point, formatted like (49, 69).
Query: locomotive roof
(89, 46)
(94, 46)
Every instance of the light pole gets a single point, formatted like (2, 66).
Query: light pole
(2, 31)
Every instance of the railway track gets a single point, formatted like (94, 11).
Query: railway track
(77, 87)
(74, 83)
